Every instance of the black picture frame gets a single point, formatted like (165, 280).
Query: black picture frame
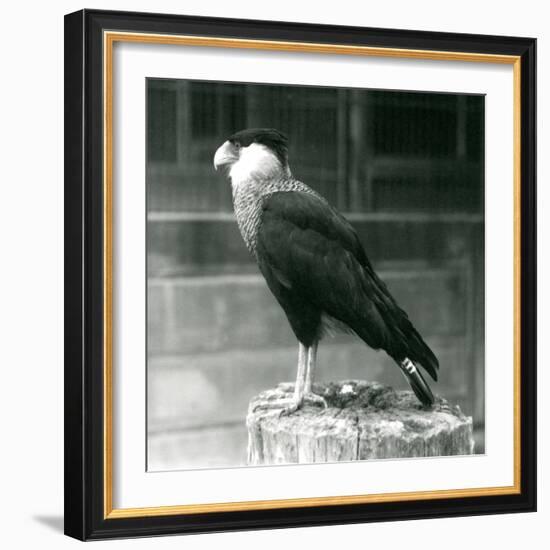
(85, 517)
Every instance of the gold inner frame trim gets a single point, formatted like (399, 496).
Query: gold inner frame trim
(109, 39)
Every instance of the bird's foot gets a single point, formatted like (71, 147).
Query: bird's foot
(286, 405)
(290, 405)
(315, 399)
(294, 404)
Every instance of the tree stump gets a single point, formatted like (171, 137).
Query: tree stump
(363, 420)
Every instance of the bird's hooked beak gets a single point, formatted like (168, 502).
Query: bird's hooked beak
(226, 154)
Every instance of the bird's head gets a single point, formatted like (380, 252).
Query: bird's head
(254, 153)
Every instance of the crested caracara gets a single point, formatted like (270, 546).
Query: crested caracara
(314, 263)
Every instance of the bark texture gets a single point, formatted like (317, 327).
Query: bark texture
(364, 420)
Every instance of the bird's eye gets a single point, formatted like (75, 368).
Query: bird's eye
(237, 145)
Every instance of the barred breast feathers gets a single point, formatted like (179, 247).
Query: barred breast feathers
(248, 197)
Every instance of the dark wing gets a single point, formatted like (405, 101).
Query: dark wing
(314, 252)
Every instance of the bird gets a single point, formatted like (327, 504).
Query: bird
(314, 265)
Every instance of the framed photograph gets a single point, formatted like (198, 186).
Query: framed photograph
(300, 274)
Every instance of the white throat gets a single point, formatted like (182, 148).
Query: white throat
(256, 162)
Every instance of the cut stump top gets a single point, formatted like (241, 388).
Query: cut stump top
(364, 420)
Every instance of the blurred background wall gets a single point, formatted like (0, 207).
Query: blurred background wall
(406, 169)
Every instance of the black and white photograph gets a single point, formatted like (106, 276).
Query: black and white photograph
(315, 274)
(274, 275)
(300, 277)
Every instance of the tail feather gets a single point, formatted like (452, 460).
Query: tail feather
(402, 338)
(421, 353)
(416, 380)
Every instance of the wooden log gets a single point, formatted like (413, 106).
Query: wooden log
(363, 420)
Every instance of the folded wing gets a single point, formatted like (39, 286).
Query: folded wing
(314, 253)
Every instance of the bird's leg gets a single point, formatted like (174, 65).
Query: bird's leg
(303, 353)
(290, 405)
(310, 374)
(310, 368)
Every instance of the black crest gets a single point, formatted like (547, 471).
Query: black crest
(275, 140)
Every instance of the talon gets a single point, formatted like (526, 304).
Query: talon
(315, 399)
(287, 406)
(287, 411)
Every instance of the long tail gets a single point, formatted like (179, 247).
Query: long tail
(416, 380)
(408, 344)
